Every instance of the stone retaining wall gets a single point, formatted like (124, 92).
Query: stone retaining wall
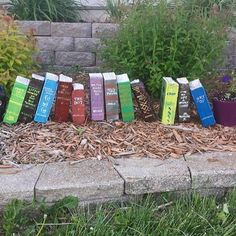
(65, 45)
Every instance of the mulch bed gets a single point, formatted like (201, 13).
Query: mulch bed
(53, 142)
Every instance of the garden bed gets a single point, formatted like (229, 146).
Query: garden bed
(56, 142)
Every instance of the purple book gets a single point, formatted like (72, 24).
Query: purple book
(96, 96)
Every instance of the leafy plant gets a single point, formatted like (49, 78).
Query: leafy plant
(17, 52)
(52, 10)
(157, 40)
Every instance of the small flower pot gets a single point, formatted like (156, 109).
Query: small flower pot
(225, 112)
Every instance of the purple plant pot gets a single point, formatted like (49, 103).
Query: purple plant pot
(225, 112)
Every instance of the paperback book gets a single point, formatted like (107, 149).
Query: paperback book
(63, 99)
(46, 98)
(202, 103)
(143, 101)
(184, 114)
(3, 101)
(78, 104)
(16, 100)
(111, 97)
(31, 99)
(169, 96)
(96, 97)
(125, 98)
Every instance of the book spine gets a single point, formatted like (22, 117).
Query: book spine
(78, 106)
(111, 98)
(184, 103)
(170, 104)
(97, 98)
(63, 100)
(31, 101)
(144, 102)
(3, 101)
(16, 101)
(126, 101)
(46, 101)
(203, 107)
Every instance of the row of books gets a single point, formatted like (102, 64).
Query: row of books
(110, 96)
(176, 96)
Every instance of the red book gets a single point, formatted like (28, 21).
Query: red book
(63, 99)
(78, 104)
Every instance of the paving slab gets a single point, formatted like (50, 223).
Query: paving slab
(152, 176)
(18, 183)
(87, 180)
(212, 170)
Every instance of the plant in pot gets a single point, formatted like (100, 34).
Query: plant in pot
(224, 101)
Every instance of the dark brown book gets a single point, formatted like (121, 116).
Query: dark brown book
(111, 96)
(143, 100)
(184, 100)
(31, 99)
(3, 101)
(63, 99)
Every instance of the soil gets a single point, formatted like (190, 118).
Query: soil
(56, 142)
(226, 97)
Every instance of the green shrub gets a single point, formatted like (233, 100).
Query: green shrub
(16, 57)
(159, 40)
(52, 10)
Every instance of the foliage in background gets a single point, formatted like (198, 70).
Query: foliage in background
(159, 40)
(51, 10)
(167, 215)
(16, 52)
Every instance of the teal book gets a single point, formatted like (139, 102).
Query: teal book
(125, 98)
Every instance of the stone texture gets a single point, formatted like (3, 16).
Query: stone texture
(212, 170)
(45, 57)
(150, 175)
(18, 183)
(75, 58)
(104, 30)
(94, 15)
(90, 179)
(40, 28)
(55, 43)
(87, 44)
(77, 30)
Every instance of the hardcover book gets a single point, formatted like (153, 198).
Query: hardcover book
(183, 100)
(3, 101)
(78, 104)
(202, 103)
(169, 96)
(143, 100)
(125, 98)
(16, 100)
(31, 99)
(63, 100)
(111, 97)
(97, 97)
(46, 98)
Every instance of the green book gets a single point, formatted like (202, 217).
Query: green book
(169, 97)
(16, 100)
(125, 98)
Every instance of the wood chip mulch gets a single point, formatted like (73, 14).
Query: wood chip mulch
(52, 142)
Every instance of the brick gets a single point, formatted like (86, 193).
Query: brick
(94, 15)
(39, 28)
(104, 30)
(153, 176)
(75, 58)
(55, 43)
(18, 183)
(87, 44)
(88, 180)
(212, 170)
(76, 30)
(45, 57)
